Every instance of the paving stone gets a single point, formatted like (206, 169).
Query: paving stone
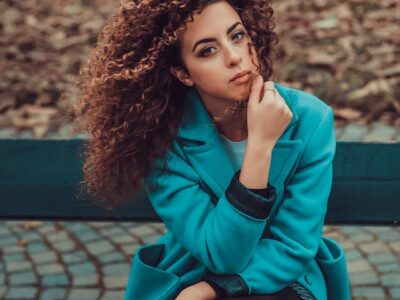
(88, 236)
(58, 236)
(55, 280)
(373, 247)
(97, 248)
(390, 236)
(3, 291)
(77, 227)
(99, 224)
(391, 279)
(388, 267)
(395, 293)
(86, 268)
(362, 278)
(395, 246)
(351, 230)
(74, 257)
(13, 249)
(53, 294)
(19, 265)
(37, 247)
(112, 231)
(19, 293)
(111, 257)
(47, 228)
(87, 280)
(354, 132)
(65, 246)
(369, 292)
(84, 293)
(348, 245)
(44, 257)
(362, 237)
(130, 250)
(8, 240)
(25, 278)
(358, 266)
(130, 224)
(377, 229)
(380, 132)
(353, 254)
(116, 269)
(5, 231)
(31, 236)
(113, 295)
(382, 257)
(112, 282)
(123, 239)
(14, 256)
(52, 268)
(151, 239)
(142, 231)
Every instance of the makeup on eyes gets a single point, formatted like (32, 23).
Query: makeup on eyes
(202, 51)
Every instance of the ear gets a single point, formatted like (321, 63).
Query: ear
(181, 75)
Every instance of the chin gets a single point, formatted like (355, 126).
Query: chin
(242, 95)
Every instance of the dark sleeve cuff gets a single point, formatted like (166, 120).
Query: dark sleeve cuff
(228, 285)
(254, 202)
(218, 290)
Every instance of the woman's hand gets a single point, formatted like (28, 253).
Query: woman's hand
(267, 114)
(199, 291)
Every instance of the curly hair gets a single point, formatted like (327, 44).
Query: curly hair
(130, 104)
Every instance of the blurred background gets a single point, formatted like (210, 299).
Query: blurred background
(345, 52)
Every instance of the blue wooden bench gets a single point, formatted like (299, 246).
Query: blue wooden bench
(39, 179)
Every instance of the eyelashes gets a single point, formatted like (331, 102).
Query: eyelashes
(205, 50)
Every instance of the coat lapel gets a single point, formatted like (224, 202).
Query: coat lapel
(205, 152)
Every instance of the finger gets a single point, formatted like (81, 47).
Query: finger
(255, 93)
(269, 94)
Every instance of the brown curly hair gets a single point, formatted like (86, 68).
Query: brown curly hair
(131, 105)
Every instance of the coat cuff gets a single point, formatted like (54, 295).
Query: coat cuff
(254, 202)
(229, 285)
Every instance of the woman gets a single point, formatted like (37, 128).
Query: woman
(238, 167)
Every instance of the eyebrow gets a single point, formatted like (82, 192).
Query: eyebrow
(206, 40)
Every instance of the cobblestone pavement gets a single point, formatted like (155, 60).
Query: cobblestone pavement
(91, 260)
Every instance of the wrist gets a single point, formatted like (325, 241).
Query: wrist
(260, 148)
(211, 292)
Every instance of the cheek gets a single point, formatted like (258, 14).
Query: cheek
(207, 74)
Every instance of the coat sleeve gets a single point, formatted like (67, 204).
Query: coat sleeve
(222, 236)
(282, 258)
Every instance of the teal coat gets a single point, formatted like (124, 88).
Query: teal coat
(216, 226)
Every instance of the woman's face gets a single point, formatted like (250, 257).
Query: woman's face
(214, 48)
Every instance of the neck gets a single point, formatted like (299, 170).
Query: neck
(230, 123)
(234, 128)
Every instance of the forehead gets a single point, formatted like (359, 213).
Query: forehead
(212, 21)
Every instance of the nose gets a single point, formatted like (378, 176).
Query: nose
(233, 55)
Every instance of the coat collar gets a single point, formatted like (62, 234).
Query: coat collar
(204, 150)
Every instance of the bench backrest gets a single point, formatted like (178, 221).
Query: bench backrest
(39, 180)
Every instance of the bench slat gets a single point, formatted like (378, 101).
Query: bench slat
(39, 180)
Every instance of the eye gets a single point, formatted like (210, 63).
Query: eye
(240, 32)
(205, 50)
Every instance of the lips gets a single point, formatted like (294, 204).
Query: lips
(240, 75)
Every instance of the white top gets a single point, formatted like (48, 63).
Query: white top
(235, 151)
